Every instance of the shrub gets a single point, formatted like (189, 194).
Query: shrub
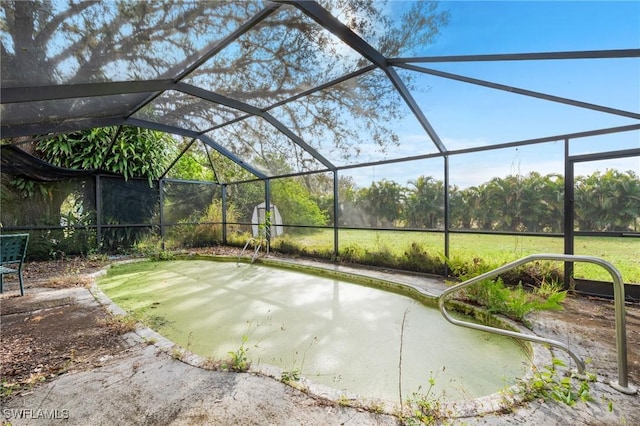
(351, 254)
(416, 258)
(210, 232)
(515, 303)
(286, 245)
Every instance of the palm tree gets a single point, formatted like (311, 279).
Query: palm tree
(541, 202)
(425, 203)
(464, 207)
(384, 200)
(608, 201)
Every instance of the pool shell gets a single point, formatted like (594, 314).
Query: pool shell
(498, 401)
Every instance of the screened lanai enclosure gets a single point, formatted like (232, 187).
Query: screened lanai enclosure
(414, 135)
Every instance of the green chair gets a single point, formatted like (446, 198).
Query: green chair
(13, 248)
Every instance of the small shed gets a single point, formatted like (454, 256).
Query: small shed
(258, 218)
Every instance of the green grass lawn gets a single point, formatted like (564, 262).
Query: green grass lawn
(623, 253)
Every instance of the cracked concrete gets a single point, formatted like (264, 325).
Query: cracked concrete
(144, 385)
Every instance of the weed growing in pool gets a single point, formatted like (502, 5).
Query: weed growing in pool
(189, 340)
(155, 322)
(239, 360)
(549, 384)
(345, 401)
(176, 353)
(376, 407)
(609, 403)
(210, 363)
(426, 408)
(291, 375)
(404, 320)
(295, 374)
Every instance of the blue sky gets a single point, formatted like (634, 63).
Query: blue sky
(467, 115)
(537, 26)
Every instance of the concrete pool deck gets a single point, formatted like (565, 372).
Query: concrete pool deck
(145, 385)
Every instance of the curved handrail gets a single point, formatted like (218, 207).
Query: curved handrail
(618, 294)
(255, 253)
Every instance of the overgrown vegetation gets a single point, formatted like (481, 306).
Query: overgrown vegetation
(9, 388)
(513, 302)
(119, 324)
(195, 215)
(209, 231)
(425, 407)
(289, 245)
(239, 359)
(295, 374)
(292, 375)
(24, 385)
(550, 384)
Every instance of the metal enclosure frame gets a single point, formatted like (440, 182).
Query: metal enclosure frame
(153, 88)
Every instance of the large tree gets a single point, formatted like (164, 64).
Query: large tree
(607, 201)
(133, 153)
(425, 203)
(384, 203)
(49, 42)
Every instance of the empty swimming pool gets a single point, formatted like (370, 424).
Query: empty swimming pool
(336, 333)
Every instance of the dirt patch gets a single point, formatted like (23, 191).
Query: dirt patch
(51, 338)
(592, 320)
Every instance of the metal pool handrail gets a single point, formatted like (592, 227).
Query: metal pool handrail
(255, 253)
(618, 295)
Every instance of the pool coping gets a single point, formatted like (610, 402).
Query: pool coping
(502, 400)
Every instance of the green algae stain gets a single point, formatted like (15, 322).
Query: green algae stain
(339, 334)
